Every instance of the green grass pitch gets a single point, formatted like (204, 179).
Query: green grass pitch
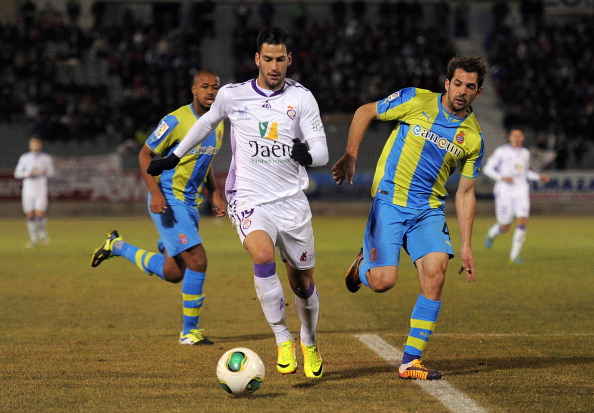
(76, 338)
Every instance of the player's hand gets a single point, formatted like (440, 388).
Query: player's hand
(157, 166)
(344, 170)
(218, 205)
(300, 153)
(158, 204)
(467, 264)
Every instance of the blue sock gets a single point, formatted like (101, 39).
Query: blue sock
(149, 262)
(192, 298)
(422, 324)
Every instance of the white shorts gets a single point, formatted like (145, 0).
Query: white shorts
(509, 207)
(34, 202)
(287, 222)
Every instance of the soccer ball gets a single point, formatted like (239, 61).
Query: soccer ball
(240, 370)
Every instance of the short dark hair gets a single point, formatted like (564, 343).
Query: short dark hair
(515, 127)
(204, 72)
(272, 35)
(470, 64)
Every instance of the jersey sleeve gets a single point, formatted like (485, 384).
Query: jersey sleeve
(395, 106)
(20, 171)
(205, 125)
(160, 141)
(471, 165)
(310, 121)
(492, 165)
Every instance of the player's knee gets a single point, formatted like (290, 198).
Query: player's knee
(381, 281)
(262, 256)
(174, 279)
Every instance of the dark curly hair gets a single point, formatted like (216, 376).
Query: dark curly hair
(470, 64)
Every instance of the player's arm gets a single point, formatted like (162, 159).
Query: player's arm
(344, 168)
(218, 204)
(493, 165)
(313, 152)
(465, 209)
(158, 204)
(196, 135)
(22, 169)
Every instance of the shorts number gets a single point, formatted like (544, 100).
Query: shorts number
(445, 229)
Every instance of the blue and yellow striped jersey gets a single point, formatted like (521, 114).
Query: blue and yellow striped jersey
(424, 149)
(185, 181)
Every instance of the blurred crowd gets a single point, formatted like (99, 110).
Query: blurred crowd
(544, 78)
(120, 76)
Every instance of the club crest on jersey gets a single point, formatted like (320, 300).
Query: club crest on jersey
(460, 137)
(183, 239)
(373, 255)
(268, 130)
(291, 112)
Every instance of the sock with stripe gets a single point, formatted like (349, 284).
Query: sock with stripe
(192, 298)
(270, 293)
(308, 308)
(422, 324)
(149, 262)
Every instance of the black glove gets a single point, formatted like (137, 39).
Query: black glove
(300, 153)
(157, 166)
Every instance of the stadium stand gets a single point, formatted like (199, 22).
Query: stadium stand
(109, 83)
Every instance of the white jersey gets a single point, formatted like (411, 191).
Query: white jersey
(34, 169)
(507, 161)
(263, 126)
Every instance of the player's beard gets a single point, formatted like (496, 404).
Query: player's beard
(274, 84)
(457, 106)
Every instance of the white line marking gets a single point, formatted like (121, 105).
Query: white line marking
(447, 395)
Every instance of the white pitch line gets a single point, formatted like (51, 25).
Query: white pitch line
(447, 395)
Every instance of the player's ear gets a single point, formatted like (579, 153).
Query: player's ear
(257, 59)
(447, 85)
(478, 92)
(289, 59)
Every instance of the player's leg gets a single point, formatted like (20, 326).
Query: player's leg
(384, 234)
(518, 240)
(32, 229)
(41, 218)
(504, 213)
(307, 303)
(522, 211)
(115, 246)
(429, 246)
(296, 246)
(193, 296)
(258, 233)
(29, 210)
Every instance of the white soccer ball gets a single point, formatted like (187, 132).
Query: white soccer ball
(240, 370)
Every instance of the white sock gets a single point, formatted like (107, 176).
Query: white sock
(494, 231)
(270, 293)
(517, 242)
(42, 228)
(32, 230)
(308, 309)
